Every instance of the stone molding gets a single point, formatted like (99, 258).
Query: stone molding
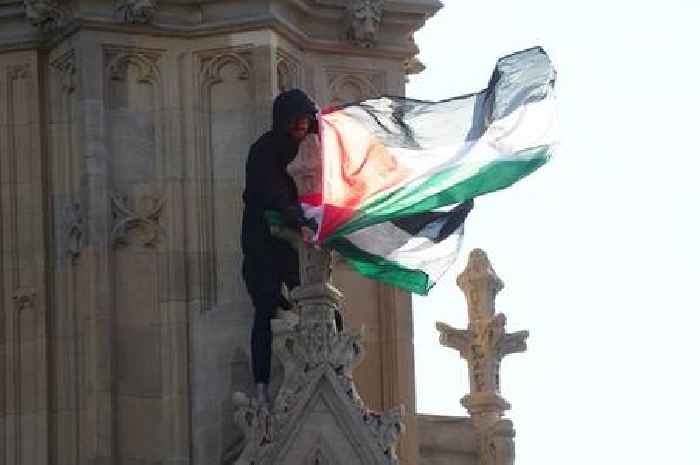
(145, 62)
(70, 225)
(353, 84)
(289, 75)
(24, 351)
(358, 21)
(211, 64)
(208, 65)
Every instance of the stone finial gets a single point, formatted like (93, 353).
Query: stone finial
(483, 345)
(480, 284)
(363, 18)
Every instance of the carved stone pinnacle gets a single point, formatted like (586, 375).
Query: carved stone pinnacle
(485, 341)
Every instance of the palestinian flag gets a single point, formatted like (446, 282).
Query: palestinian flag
(399, 175)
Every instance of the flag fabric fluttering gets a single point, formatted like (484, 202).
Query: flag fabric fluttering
(399, 175)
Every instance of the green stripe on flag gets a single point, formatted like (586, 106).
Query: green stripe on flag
(409, 200)
(378, 268)
(273, 217)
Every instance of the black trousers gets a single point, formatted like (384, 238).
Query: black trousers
(263, 273)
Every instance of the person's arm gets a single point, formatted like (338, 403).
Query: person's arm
(270, 187)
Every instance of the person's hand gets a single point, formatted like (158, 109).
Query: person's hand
(307, 234)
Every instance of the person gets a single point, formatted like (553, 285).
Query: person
(269, 261)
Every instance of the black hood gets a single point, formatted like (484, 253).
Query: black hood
(289, 106)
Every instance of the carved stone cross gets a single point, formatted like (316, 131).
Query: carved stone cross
(485, 341)
(483, 345)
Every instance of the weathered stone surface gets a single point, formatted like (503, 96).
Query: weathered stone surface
(123, 144)
(363, 19)
(483, 345)
(24, 320)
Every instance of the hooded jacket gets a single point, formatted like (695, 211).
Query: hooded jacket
(268, 186)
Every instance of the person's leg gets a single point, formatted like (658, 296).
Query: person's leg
(263, 286)
(288, 264)
(261, 337)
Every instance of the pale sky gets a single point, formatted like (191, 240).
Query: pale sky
(598, 249)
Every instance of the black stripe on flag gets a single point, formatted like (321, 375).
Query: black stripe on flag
(446, 222)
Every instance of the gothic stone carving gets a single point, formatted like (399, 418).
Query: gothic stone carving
(352, 85)
(483, 345)
(65, 65)
(141, 218)
(16, 72)
(485, 342)
(288, 72)
(23, 298)
(213, 63)
(497, 446)
(413, 66)
(212, 67)
(363, 18)
(136, 11)
(317, 359)
(47, 15)
(144, 61)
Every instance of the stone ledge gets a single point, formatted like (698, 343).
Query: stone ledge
(322, 31)
(446, 439)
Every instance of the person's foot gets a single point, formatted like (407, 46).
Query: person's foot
(262, 395)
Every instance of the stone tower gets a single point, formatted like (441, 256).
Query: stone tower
(124, 127)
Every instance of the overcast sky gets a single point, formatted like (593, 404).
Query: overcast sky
(598, 249)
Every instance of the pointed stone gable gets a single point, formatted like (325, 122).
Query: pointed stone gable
(317, 417)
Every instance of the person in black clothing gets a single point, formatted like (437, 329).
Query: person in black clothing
(268, 261)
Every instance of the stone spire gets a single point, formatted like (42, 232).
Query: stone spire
(317, 416)
(483, 345)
